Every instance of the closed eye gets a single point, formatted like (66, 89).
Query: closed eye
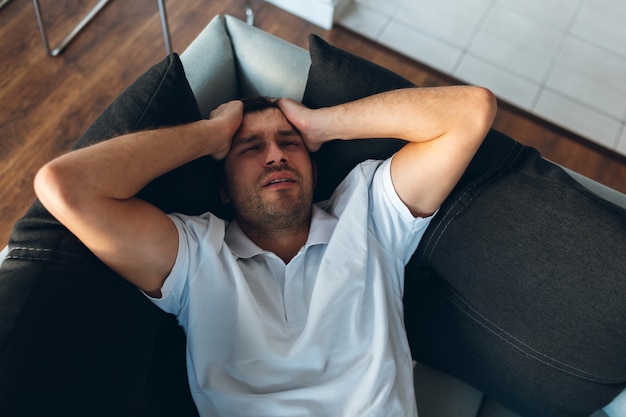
(248, 149)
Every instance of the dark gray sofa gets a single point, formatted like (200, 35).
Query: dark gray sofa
(71, 345)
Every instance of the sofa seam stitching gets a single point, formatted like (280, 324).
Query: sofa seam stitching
(452, 213)
(531, 352)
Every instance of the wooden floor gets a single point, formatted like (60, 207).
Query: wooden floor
(47, 103)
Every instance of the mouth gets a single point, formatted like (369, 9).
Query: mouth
(278, 181)
(279, 178)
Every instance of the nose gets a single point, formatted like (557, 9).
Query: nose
(275, 155)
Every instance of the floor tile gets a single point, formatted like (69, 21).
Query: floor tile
(386, 7)
(507, 86)
(363, 20)
(422, 48)
(591, 75)
(621, 146)
(559, 14)
(522, 45)
(579, 118)
(564, 60)
(451, 21)
(602, 22)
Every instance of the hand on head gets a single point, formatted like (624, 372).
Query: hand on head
(304, 120)
(231, 115)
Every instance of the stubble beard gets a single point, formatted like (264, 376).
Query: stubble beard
(277, 213)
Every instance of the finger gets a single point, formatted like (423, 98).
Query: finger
(294, 112)
(234, 105)
(290, 106)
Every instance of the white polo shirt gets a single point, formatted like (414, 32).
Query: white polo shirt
(321, 336)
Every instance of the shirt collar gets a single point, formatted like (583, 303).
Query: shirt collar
(322, 227)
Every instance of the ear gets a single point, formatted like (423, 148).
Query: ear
(223, 194)
(314, 170)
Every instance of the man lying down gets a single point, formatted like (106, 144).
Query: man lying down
(290, 309)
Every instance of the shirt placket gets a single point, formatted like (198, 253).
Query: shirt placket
(294, 297)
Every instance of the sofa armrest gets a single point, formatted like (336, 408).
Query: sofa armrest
(617, 408)
(439, 394)
(601, 190)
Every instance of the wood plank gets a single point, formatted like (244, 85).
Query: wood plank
(47, 103)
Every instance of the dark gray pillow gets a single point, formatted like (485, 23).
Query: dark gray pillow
(337, 77)
(162, 97)
(518, 284)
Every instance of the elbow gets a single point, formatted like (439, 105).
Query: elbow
(53, 189)
(491, 104)
(479, 111)
(486, 106)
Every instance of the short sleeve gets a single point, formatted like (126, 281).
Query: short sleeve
(198, 238)
(397, 229)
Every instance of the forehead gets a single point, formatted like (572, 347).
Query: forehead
(262, 123)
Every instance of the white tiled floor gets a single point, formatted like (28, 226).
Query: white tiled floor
(563, 60)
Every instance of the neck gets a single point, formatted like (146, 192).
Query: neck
(284, 242)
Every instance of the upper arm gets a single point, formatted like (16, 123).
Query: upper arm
(131, 236)
(424, 173)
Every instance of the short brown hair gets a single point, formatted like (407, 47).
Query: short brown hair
(260, 103)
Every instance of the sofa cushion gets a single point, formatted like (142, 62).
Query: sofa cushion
(517, 286)
(209, 63)
(161, 97)
(523, 268)
(266, 65)
(335, 77)
(72, 332)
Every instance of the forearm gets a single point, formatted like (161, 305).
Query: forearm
(444, 127)
(92, 192)
(415, 114)
(119, 168)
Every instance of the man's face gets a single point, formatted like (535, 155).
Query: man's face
(269, 176)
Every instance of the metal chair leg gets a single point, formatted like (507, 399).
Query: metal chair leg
(249, 12)
(165, 27)
(84, 21)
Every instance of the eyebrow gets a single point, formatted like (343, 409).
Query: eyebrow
(246, 140)
(254, 137)
(288, 132)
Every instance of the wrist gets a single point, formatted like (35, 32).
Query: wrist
(215, 136)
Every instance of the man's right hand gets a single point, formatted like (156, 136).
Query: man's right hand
(92, 192)
(230, 115)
